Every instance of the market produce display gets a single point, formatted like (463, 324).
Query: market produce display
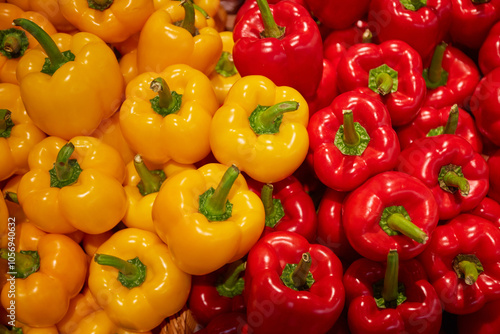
(249, 166)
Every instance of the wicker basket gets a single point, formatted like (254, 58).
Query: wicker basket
(180, 323)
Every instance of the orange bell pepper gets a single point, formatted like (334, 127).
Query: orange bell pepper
(74, 185)
(208, 217)
(18, 134)
(25, 329)
(50, 274)
(142, 186)
(113, 21)
(5, 221)
(128, 66)
(192, 42)
(91, 242)
(134, 279)
(81, 86)
(15, 41)
(48, 8)
(9, 192)
(79, 307)
(173, 122)
(261, 128)
(225, 73)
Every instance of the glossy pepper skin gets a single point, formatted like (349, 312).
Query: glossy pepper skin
(327, 12)
(217, 293)
(489, 52)
(60, 276)
(112, 21)
(200, 51)
(402, 87)
(340, 161)
(99, 322)
(210, 238)
(484, 321)
(9, 58)
(209, 6)
(462, 263)
(494, 164)
(141, 298)
(94, 203)
(456, 174)
(288, 207)
(320, 300)
(471, 21)
(391, 210)
(419, 312)
(249, 4)
(422, 24)
(177, 129)
(49, 9)
(489, 209)
(272, 145)
(434, 121)
(5, 223)
(227, 323)
(484, 106)
(18, 134)
(80, 306)
(451, 77)
(292, 57)
(92, 84)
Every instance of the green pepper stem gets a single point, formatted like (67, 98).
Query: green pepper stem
(5, 119)
(234, 276)
(390, 290)
(266, 195)
(436, 66)
(384, 83)
(225, 65)
(5, 330)
(269, 116)
(452, 122)
(299, 275)
(189, 17)
(11, 196)
(452, 179)
(56, 57)
(271, 29)
(12, 44)
(150, 182)
(125, 267)
(398, 222)
(62, 166)
(367, 36)
(26, 263)
(351, 136)
(216, 204)
(159, 86)
(469, 269)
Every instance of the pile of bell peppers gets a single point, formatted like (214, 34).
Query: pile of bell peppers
(267, 166)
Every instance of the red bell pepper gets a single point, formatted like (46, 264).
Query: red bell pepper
(217, 292)
(489, 209)
(330, 228)
(391, 210)
(450, 167)
(281, 42)
(462, 262)
(391, 71)
(391, 297)
(471, 20)
(420, 23)
(338, 14)
(485, 106)
(489, 52)
(484, 321)
(288, 207)
(451, 78)
(351, 140)
(292, 286)
(434, 121)
(494, 165)
(250, 4)
(227, 323)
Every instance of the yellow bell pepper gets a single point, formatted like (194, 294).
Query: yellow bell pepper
(5, 221)
(163, 43)
(82, 85)
(91, 242)
(225, 73)
(25, 329)
(128, 66)
(142, 186)
(9, 192)
(99, 322)
(74, 185)
(208, 217)
(18, 134)
(167, 115)
(79, 307)
(46, 278)
(16, 41)
(134, 279)
(113, 21)
(262, 128)
(206, 7)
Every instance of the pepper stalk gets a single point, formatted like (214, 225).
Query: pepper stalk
(271, 29)
(131, 273)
